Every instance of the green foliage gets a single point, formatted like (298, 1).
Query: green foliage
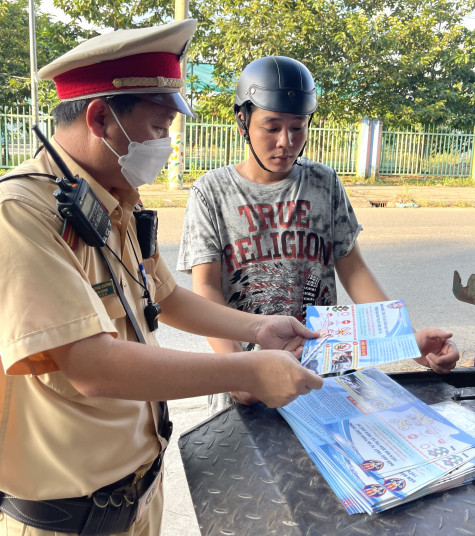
(52, 40)
(405, 62)
(116, 14)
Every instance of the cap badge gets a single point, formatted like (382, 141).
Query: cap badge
(157, 81)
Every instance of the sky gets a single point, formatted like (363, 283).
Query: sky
(48, 7)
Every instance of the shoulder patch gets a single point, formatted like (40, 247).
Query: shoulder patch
(69, 235)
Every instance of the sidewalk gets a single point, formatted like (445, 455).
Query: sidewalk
(425, 196)
(361, 196)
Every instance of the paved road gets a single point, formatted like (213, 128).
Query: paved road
(413, 252)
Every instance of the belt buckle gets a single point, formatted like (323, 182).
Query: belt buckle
(144, 502)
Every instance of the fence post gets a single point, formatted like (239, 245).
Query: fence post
(227, 148)
(175, 162)
(375, 137)
(362, 155)
(473, 156)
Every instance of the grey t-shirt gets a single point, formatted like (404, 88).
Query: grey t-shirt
(277, 243)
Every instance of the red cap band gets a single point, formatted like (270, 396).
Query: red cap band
(98, 78)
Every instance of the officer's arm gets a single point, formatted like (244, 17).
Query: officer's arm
(207, 283)
(103, 366)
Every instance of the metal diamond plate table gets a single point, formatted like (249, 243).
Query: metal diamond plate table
(249, 476)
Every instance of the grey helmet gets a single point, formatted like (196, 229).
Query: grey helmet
(277, 84)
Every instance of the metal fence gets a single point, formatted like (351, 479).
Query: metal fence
(334, 145)
(18, 141)
(208, 145)
(432, 153)
(212, 145)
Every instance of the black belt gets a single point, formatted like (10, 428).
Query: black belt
(110, 510)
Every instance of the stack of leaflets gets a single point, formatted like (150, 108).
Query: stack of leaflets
(376, 444)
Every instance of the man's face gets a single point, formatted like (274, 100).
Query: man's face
(277, 138)
(146, 121)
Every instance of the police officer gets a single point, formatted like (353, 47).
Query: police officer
(81, 433)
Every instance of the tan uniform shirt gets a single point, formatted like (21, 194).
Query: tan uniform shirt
(54, 442)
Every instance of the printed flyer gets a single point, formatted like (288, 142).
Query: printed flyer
(377, 445)
(358, 336)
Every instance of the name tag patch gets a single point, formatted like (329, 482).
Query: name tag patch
(104, 289)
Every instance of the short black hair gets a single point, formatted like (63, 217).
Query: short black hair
(67, 112)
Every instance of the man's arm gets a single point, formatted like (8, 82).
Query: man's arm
(108, 367)
(187, 311)
(437, 351)
(357, 279)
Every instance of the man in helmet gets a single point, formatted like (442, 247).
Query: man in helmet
(268, 234)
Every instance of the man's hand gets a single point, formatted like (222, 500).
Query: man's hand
(283, 332)
(437, 350)
(276, 377)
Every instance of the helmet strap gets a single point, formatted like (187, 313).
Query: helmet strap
(256, 157)
(298, 160)
(245, 133)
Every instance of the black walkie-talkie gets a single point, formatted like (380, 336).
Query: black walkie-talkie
(77, 203)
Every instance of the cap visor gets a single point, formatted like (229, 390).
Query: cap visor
(174, 101)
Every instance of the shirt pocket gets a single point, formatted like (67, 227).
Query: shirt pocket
(113, 306)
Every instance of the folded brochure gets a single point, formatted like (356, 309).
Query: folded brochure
(358, 336)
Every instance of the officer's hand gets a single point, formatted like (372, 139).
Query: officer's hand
(283, 332)
(277, 377)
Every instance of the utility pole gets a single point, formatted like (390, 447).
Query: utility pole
(33, 81)
(177, 129)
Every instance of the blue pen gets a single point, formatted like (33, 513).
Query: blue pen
(144, 276)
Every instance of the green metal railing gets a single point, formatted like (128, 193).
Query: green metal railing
(209, 145)
(18, 141)
(215, 144)
(212, 145)
(433, 153)
(334, 145)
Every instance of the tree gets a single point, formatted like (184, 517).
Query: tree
(53, 39)
(405, 61)
(116, 14)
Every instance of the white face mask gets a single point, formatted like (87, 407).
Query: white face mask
(143, 161)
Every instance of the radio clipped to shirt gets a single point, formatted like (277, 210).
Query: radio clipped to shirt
(77, 203)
